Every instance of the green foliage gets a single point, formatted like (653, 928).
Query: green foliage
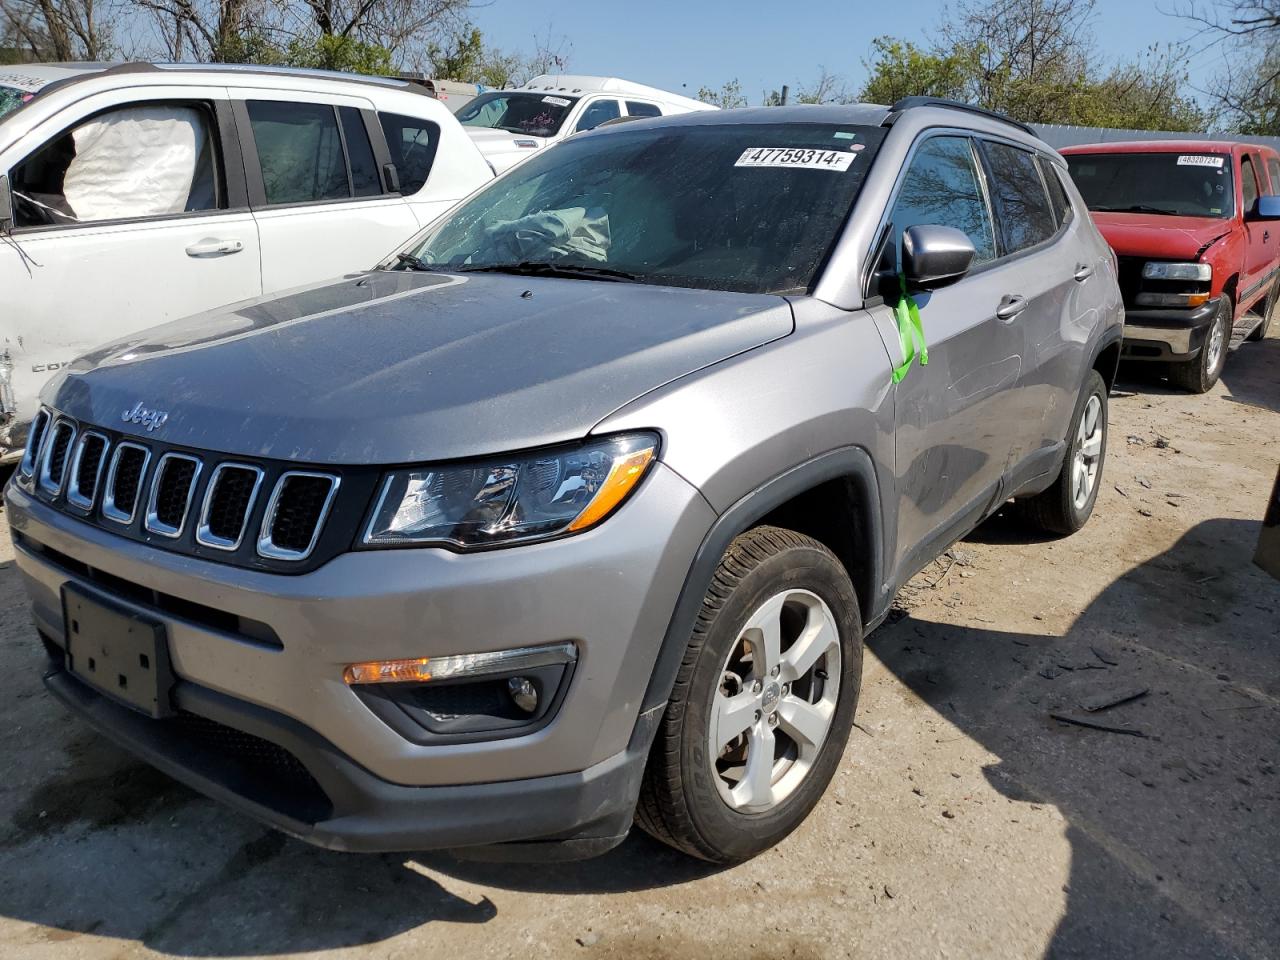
(899, 68)
(727, 97)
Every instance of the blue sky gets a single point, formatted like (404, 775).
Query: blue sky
(681, 46)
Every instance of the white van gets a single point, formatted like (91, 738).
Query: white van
(510, 125)
(137, 193)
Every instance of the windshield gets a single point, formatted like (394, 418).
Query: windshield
(746, 207)
(537, 114)
(1189, 185)
(11, 98)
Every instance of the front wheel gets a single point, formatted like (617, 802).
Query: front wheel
(1199, 375)
(1067, 505)
(763, 703)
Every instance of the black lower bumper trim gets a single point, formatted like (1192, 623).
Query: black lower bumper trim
(586, 812)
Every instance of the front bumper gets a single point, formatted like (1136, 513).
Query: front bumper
(611, 591)
(1167, 334)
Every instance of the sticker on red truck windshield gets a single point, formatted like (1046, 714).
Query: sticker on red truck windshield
(817, 159)
(1199, 160)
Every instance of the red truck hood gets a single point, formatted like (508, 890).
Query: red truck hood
(1160, 236)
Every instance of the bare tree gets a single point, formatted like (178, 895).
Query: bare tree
(59, 29)
(1247, 88)
(828, 88)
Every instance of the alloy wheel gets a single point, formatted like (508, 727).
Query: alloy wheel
(1089, 438)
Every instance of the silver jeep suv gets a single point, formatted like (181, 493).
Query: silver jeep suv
(576, 511)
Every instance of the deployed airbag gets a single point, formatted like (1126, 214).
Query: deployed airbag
(551, 234)
(135, 162)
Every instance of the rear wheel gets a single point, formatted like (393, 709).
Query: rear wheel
(1066, 506)
(763, 703)
(1199, 375)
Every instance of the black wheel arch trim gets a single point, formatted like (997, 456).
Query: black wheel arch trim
(852, 463)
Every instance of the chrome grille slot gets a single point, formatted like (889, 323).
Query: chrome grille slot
(228, 501)
(53, 462)
(295, 514)
(172, 487)
(35, 435)
(86, 469)
(124, 482)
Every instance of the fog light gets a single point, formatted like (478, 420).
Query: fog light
(523, 694)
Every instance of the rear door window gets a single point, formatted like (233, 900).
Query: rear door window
(412, 143)
(1057, 192)
(1022, 206)
(1273, 174)
(596, 113)
(1248, 186)
(637, 109)
(365, 181)
(299, 151)
(942, 186)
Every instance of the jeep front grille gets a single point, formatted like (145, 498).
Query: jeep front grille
(264, 514)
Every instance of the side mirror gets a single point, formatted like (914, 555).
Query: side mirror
(6, 205)
(1268, 208)
(934, 256)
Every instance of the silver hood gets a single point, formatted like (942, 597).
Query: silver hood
(400, 367)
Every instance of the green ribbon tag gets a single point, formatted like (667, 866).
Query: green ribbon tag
(910, 332)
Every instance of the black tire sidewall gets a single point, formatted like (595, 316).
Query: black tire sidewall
(733, 835)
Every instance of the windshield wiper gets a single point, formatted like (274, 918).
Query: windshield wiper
(539, 268)
(412, 262)
(1138, 208)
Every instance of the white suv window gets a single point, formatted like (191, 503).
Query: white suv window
(143, 160)
(299, 151)
(596, 113)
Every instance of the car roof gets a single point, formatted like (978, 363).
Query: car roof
(33, 77)
(575, 83)
(1160, 146)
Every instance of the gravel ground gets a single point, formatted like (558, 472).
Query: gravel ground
(965, 820)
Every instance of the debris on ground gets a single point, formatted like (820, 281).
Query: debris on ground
(1105, 655)
(1106, 699)
(1095, 725)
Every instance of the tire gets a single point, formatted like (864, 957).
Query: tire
(1268, 309)
(1199, 375)
(1061, 509)
(705, 804)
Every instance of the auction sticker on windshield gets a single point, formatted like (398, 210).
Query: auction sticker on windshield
(556, 101)
(812, 159)
(1199, 161)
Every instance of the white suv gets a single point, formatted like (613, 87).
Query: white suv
(139, 193)
(511, 125)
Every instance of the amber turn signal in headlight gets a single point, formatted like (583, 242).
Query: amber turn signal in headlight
(426, 669)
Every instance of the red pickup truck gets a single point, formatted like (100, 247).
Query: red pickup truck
(1192, 225)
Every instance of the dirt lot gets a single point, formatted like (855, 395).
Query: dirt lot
(964, 822)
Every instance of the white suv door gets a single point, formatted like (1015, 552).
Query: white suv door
(322, 201)
(129, 210)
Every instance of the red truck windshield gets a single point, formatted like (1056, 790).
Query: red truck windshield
(1177, 184)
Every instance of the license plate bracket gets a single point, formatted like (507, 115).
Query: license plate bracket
(118, 652)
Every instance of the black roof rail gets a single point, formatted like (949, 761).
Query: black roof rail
(906, 103)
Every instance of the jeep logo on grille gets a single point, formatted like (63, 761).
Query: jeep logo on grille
(151, 419)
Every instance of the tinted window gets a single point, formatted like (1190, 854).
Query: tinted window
(364, 169)
(748, 207)
(1057, 192)
(412, 144)
(532, 113)
(299, 151)
(597, 113)
(1273, 173)
(942, 187)
(144, 160)
(1022, 207)
(1248, 185)
(1193, 185)
(643, 109)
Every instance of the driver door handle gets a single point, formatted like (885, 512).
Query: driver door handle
(1011, 306)
(1083, 272)
(214, 247)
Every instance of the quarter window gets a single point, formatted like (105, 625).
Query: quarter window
(636, 109)
(1057, 192)
(942, 187)
(299, 151)
(596, 113)
(1248, 185)
(1022, 206)
(143, 160)
(412, 144)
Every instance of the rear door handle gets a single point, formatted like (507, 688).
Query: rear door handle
(1011, 306)
(1083, 272)
(213, 247)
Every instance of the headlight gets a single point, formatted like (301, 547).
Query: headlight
(1177, 271)
(510, 499)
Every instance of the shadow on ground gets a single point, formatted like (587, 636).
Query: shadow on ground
(1175, 833)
